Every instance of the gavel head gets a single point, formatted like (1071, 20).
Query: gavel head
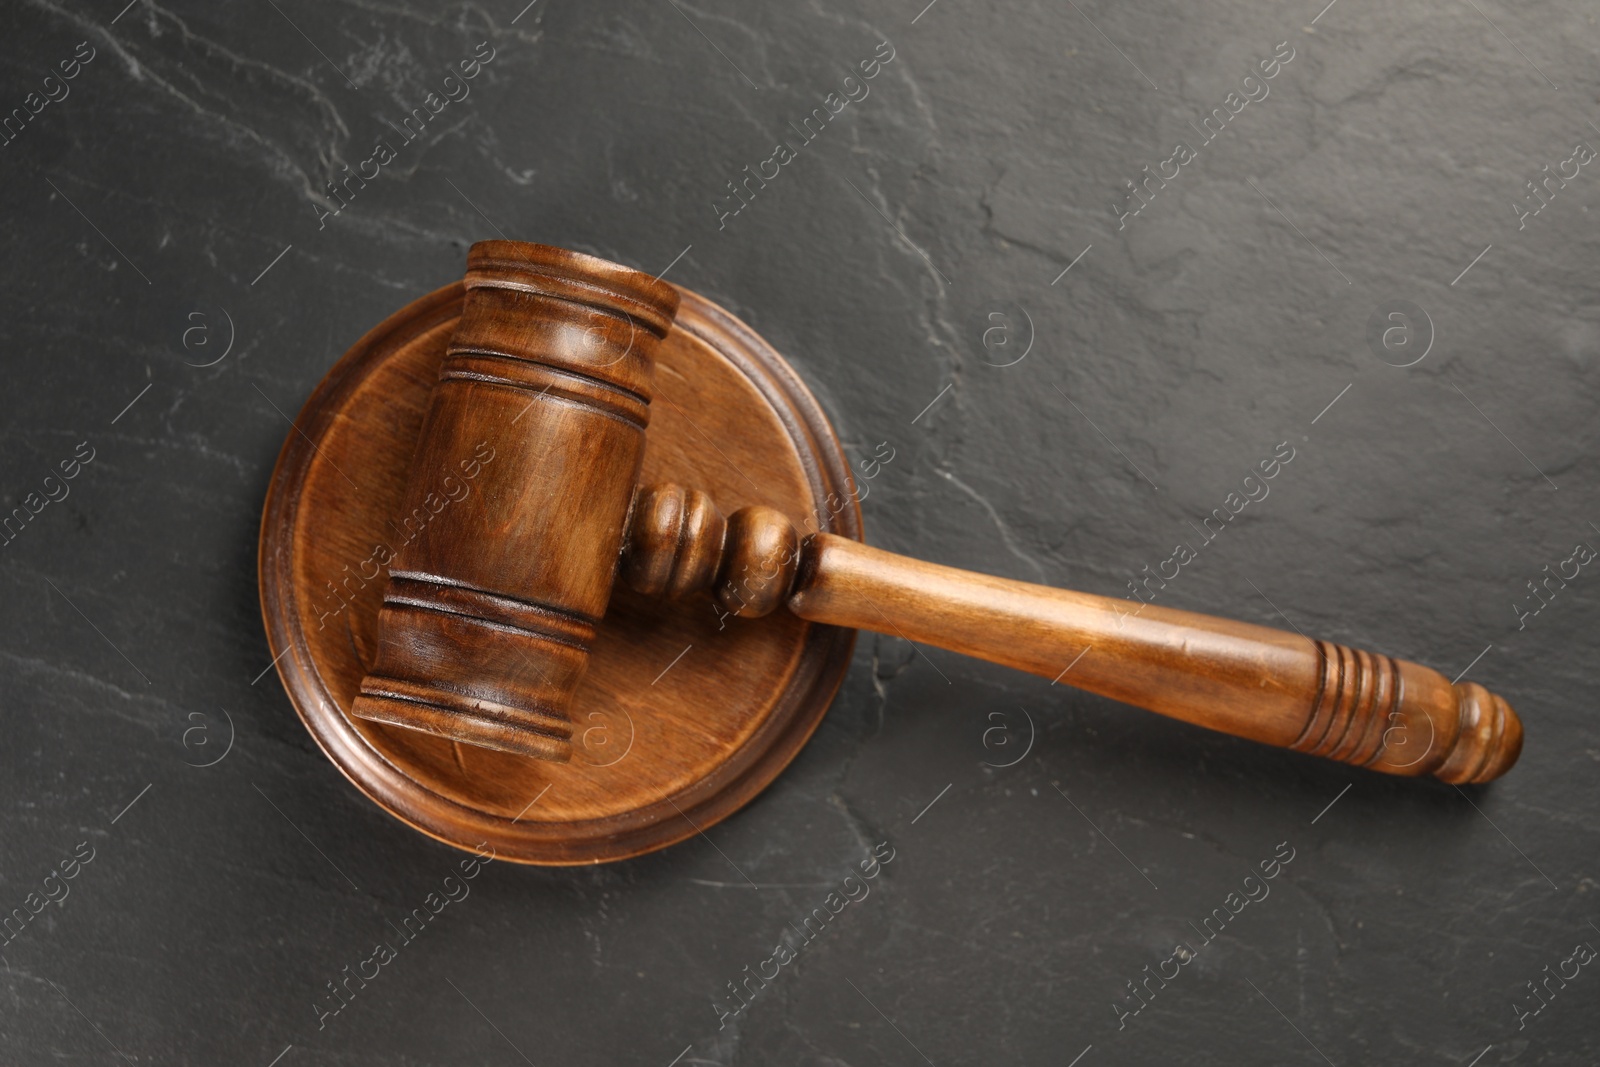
(518, 498)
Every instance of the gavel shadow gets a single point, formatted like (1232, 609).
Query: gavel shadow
(1119, 744)
(950, 719)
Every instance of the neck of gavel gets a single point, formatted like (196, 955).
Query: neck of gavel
(1251, 681)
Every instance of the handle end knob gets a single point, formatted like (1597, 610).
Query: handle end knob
(1489, 741)
(1402, 718)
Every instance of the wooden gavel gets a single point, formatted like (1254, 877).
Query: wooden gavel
(543, 398)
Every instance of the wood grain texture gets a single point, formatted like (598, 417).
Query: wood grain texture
(685, 713)
(1251, 681)
(517, 499)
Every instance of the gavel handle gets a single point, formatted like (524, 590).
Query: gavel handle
(1251, 681)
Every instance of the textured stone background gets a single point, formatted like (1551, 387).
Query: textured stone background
(191, 152)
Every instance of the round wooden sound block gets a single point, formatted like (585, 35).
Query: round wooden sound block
(686, 712)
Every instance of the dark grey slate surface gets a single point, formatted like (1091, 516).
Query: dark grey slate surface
(189, 153)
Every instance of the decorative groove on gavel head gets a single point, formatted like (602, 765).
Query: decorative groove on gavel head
(542, 402)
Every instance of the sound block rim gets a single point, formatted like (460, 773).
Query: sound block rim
(740, 775)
